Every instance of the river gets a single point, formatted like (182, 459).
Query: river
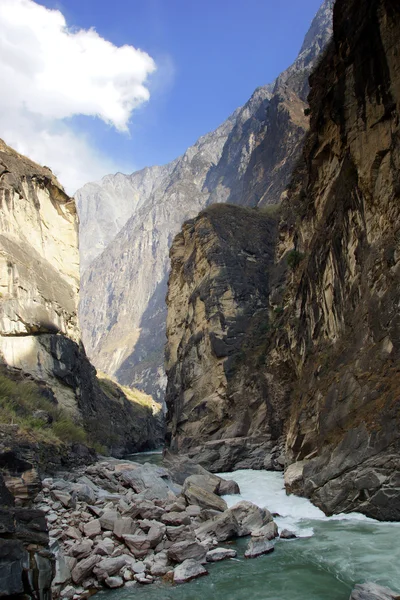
(324, 563)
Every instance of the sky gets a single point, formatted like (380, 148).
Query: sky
(91, 87)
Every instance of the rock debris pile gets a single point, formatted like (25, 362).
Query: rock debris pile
(118, 523)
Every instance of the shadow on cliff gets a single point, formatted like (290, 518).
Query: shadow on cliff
(142, 367)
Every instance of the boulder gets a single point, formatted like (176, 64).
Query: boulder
(269, 531)
(139, 545)
(294, 481)
(203, 498)
(72, 532)
(147, 480)
(176, 518)
(193, 510)
(222, 528)
(206, 481)
(114, 582)
(181, 551)
(84, 493)
(249, 517)
(81, 549)
(64, 497)
(84, 568)
(109, 566)
(108, 519)
(156, 534)
(189, 569)
(372, 591)
(228, 487)
(105, 547)
(124, 526)
(179, 534)
(92, 528)
(287, 535)
(257, 547)
(220, 554)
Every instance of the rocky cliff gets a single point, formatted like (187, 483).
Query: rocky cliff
(325, 340)
(248, 160)
(43, 360)
(218, 289)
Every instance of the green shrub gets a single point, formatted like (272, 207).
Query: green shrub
(294, 258)
(307, 111)
(18, 401)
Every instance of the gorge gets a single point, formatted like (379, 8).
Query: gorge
(281, 380)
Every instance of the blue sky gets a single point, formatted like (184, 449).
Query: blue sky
(210, 56)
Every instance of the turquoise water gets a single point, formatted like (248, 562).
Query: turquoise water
(331, 556)
(154, 457)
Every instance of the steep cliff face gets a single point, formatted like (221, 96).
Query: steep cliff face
(342, 322)
(105, 206)
(39, 332)
(247, 160)
(218, 288)
(330, 347)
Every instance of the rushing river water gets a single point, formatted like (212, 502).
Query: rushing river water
(329, 557)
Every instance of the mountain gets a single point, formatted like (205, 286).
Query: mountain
(283, 326)
(248, 160)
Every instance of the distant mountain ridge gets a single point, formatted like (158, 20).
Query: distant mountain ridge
(248, 160)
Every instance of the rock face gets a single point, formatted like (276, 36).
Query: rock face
(219, 281)
(39, 332)
(325, 339)
(122, 308)
(26, 564)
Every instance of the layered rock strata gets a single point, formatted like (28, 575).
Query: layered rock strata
(331, 342)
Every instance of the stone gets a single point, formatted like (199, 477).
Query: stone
(268, 531)
(73, 533)
(63, 497)
(63, 570)
(181, 551)
(92, 528)
(124, 526)
(220, 554)
(108, 519)
(294, 481)
(139, 545)
(107, 567)
(68, 592)
(188, 570)
(258, 546)
(223, 527)
(104, 547)
(204, 498)
(176, 518)
(228, 487)
(114, 582)
(205, 481)
(287, 535)
(156, 534)
(81, 549)
(249, 517)
(193, 510)
(84, 568)
(180, 533)
(373, 591)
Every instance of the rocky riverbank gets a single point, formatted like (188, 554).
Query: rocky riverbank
(117, 523)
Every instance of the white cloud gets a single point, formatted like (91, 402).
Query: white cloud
(48, 73)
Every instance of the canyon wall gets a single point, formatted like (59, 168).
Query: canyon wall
(122, 308)
(324, 345)
(40, 338)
